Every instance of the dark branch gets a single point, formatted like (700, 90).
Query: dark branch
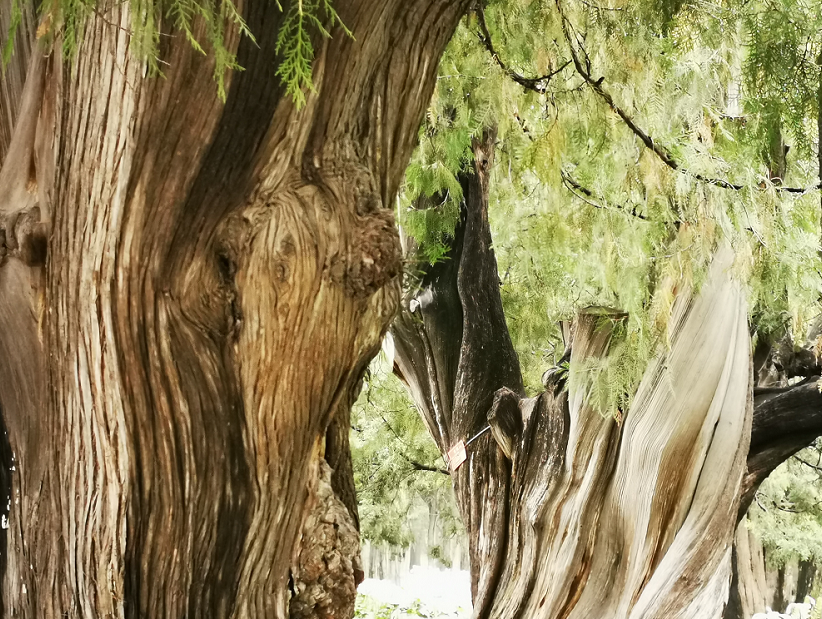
(596, 7)
(784, 422)
(414, 464)
(793, 363)
(424, 467)
(537, 84)
(588, 197)
(808, 464)
(660, 151)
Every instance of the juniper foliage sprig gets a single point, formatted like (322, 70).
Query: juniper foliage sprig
(64, 20)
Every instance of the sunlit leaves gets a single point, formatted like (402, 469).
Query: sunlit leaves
(686, 75)
(295, 47)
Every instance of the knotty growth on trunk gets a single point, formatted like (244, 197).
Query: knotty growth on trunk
(570, 514)
(189, 293)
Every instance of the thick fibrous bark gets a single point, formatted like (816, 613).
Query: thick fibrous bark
(216, 278)
(329, 567)
(457, 389)
(571, 514)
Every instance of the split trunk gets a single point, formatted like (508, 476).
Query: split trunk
(571, 514)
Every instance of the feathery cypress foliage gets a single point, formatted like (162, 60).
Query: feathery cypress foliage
(583, 211)
(63, 22)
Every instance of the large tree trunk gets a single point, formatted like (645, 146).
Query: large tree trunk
(570, 514)
(189, 292)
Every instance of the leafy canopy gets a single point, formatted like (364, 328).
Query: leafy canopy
(584, 210)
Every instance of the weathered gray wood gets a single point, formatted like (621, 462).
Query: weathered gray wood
(600, 519)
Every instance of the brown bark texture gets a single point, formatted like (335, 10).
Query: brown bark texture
(190, 291)
(571, 514)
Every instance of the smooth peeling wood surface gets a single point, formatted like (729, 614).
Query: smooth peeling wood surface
(572, 514)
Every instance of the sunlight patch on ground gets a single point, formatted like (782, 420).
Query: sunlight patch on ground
(794, 611)
(425, 592)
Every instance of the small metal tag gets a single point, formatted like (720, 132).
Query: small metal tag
(456, 456)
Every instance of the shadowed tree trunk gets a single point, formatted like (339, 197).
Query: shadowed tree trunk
(189, 294)
(570, 514)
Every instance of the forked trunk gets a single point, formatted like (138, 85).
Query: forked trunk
(189, 293)
(571, 514)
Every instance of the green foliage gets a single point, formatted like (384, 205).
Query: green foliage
(702, 80)
(8, 46)
(369, 608)
(787, 513)
(436, 552)
(65, 20)
(294, 43)
(387, 440)
(782, 69)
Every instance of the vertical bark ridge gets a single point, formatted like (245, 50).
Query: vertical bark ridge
(444, 341)
(482, 483)
(15, 73)
(338, 454)
(22, 369)
(18, 172)
(629, 537)
(427, 337)
(84, 403)
(559, 479)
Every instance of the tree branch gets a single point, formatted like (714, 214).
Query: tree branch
(537, 84)
(660, 151)
(784, 422)
(818, 469)
(793, 363)
(588, 197)
(454, 351)
(424, 467)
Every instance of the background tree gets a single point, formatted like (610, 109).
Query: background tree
(195, 275)
(633, 141)
(396, 465)
(776, 553)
